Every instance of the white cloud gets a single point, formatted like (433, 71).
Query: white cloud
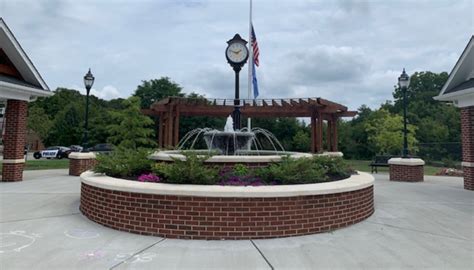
(108, 92)
(347, 51)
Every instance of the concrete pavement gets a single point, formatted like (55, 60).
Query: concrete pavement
(415, 225)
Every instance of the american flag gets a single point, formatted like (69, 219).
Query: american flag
(256, 53)
(255, 49)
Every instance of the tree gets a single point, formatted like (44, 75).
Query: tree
(39, 122)
(67, 128)
(353, 137)
(385, 133)
(155, 90)
(131, 129)
(423, 87)
(301, 141)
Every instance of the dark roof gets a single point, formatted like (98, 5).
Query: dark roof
(27, 57)
(462, 86)
(9, 79)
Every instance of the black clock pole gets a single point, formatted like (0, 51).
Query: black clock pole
(236, 112)
(237, 64)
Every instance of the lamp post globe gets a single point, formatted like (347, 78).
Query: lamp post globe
(88, 82)
(403, 83)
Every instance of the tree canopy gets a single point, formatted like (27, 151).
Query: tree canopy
(156, 89)
(434, 127)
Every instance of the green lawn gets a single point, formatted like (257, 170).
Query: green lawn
(46, 164)
(363, 165)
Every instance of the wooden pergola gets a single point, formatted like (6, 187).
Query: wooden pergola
(170, 109)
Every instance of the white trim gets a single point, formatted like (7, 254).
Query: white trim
(78, 155)
(21, 92)
(23, 55)
(406, 161)
(467, 164)
(458, 65)
(355, 182)
(455, 95)
(461, 99)
(13, 161)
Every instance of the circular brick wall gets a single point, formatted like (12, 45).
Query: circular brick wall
(226, 217)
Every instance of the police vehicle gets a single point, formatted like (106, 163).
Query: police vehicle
(58, 152)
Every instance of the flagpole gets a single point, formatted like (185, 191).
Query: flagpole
(250, 63)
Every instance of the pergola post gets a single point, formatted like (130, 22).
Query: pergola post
(169, 128)
(313, 133)
(319, 133)
(329, 134)
(161, 130)
(334, 135)
(176, 128)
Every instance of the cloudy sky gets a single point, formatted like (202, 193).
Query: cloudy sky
(347, 51)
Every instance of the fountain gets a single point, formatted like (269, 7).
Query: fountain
(257, 146)
(229, 141)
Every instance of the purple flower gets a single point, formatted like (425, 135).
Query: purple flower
(149, 178)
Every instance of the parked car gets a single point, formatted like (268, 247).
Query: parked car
(58, 152)
(76, 148)
(102, 148)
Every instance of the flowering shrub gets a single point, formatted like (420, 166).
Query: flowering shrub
(239, 175)
(150, 177)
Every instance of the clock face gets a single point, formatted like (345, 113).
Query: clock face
(237, 52)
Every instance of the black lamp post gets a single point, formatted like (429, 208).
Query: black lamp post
(88, 82)
(403, 82)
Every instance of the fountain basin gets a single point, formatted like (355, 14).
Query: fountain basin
(225, 212)
(251, 158)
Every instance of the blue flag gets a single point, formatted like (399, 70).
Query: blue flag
(254, 81)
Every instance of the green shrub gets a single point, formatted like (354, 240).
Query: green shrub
(336, 167)
(124, 162)
(240, 170)
(189, 171)
(305, 170)
(293, 171)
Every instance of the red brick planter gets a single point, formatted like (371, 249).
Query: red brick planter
(468, 178)
(406, 169)
(406, 173)
(81, 162)
(226, 217)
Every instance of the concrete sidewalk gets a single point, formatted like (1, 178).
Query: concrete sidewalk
(415, 225)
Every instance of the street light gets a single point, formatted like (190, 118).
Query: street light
(88, 82)
(403, 82)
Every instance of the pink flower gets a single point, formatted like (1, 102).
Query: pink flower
(149, 178)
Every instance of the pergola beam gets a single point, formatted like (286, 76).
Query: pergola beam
(170, 109)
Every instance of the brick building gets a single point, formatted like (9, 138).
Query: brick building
(20, 83)
(459, 89)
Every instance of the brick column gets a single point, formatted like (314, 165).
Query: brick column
(14, 140)
(406, 169)
(467, 133)
(81, 162)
